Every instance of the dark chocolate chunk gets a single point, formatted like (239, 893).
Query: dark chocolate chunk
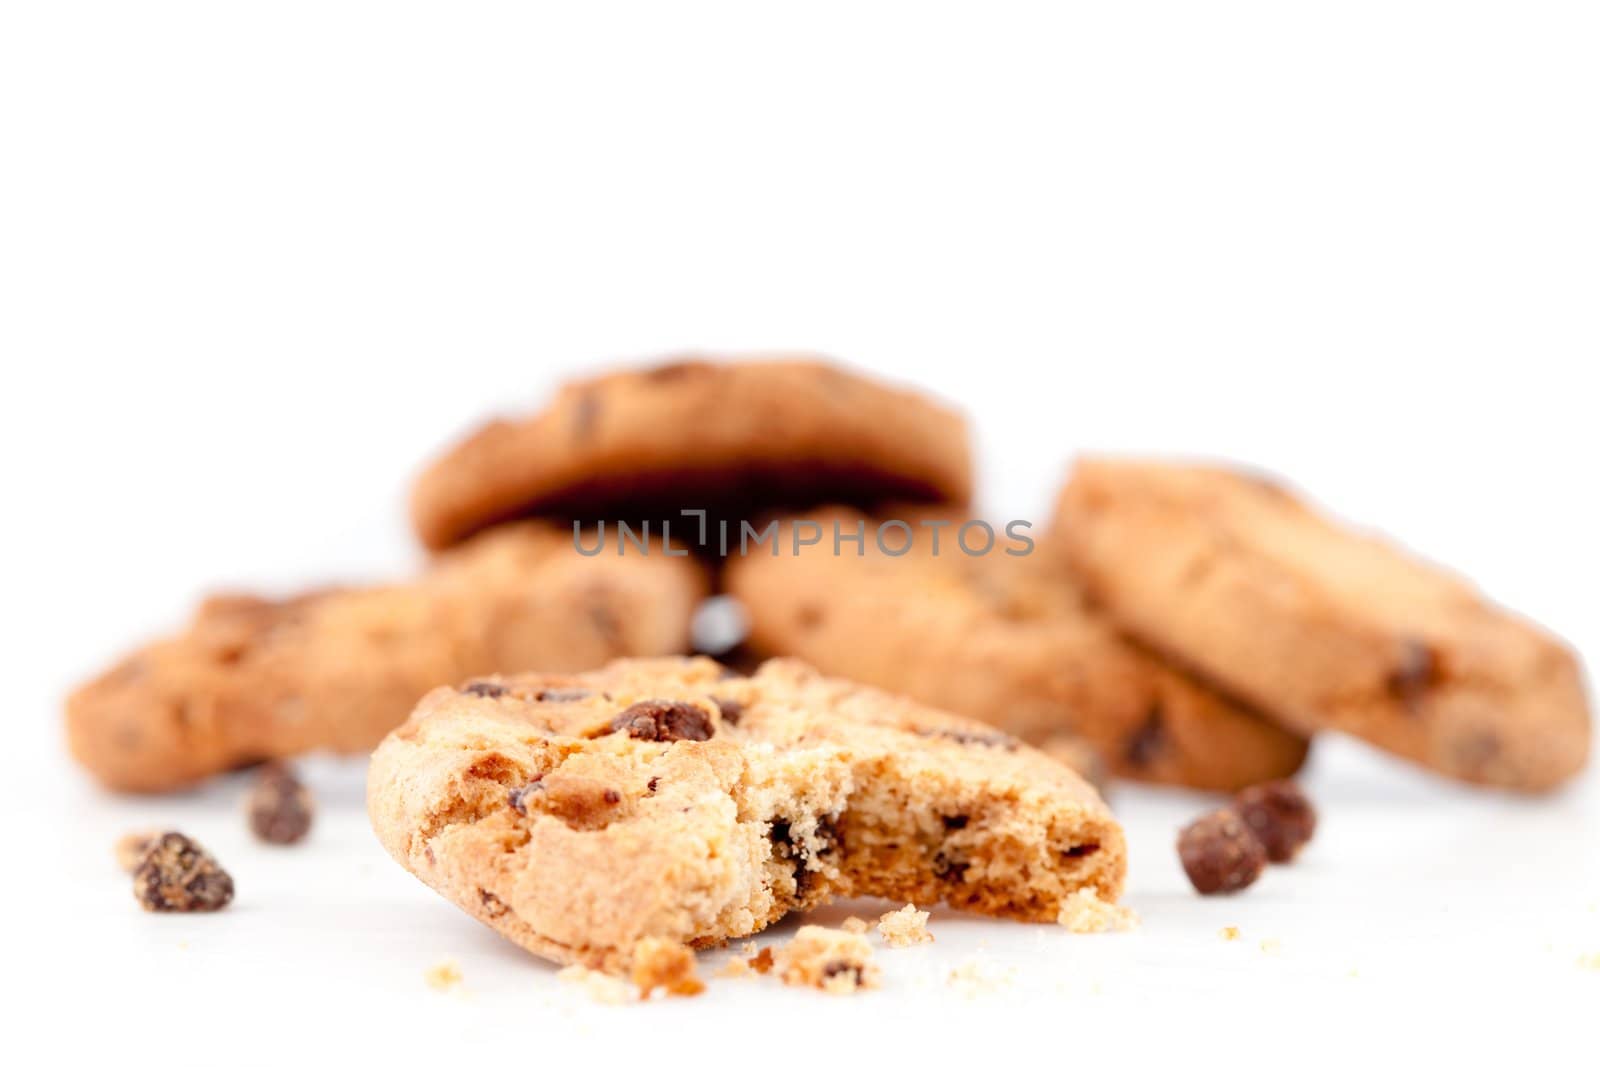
(1220, 854)
(279, 806)
(176, 874)
(493, 905)
(1280, 815)
(732, 710)
(664, 720)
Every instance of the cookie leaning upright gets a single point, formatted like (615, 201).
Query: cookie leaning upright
(732, 438)
(1323, 627)
(1005, 637)
(586, 815)
(253, 679)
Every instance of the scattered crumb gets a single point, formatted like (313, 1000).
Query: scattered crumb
(130, 848)
(601, 987)
(750, 950)
(1229, 933)
(834, 961)
(905, 927)
(855, 925)
(662, 964)
(970, 981)
(1271, 946)
(1590, 960)
(1085, 913)
(444, 976)
(762, 961)
(737, 967)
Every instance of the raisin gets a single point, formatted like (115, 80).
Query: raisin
(664, 720)
(1220, 854)
(178, 875)
(279, 806)
(1280, 815)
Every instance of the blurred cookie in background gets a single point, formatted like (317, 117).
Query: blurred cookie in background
(730, 438)
(1321, 626)
(1002, 635)
(253, 678)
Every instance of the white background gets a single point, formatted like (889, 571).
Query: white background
(258, 261)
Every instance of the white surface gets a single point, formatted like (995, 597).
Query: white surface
(257, 263)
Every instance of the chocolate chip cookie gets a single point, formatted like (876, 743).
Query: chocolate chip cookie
(1000, 637)
(252, 679)
(728, 438)
(1323, 627)
(581, 815)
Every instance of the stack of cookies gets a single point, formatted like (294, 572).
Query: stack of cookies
(926, 697)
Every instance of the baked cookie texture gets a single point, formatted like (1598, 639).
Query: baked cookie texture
(581, 815)
(732, 438)
(1007, 639)
(253, 679)
(1321, 626)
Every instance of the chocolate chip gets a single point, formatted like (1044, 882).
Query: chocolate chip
(1077, 852)
(1220, 854)
(563, 694)
(1416, 670)
(178, 875)
(947, 869)
(1146, 744)
(837, 967)
(664, 720)
(493, 905)
(732, 710)
(990, 739)
(956, 822)
(279, 806)
(799, 852)
(485, 689)
(611, 796)
(651, 784)
(1280, 815)
(518, 797)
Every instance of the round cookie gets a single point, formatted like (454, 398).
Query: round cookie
(253, 679)
(730, 438)
(1004, 638)
(592, 817)
(1323, 627)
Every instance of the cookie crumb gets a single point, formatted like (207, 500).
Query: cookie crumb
(855, 925)
(443, 976)
(908, 926)
(762, 961)
(1083, 912)
(279, 806)
(736, 967)
(176, 874)
(970, 980)
(601, 987)
(833, 961)
(130, 848)
(1229, 933)
(659, 963)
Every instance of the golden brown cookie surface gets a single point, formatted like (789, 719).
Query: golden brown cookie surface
(1003, 638)
(253, 679)
(1323, 627)
(730, 438)
(582, 815)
